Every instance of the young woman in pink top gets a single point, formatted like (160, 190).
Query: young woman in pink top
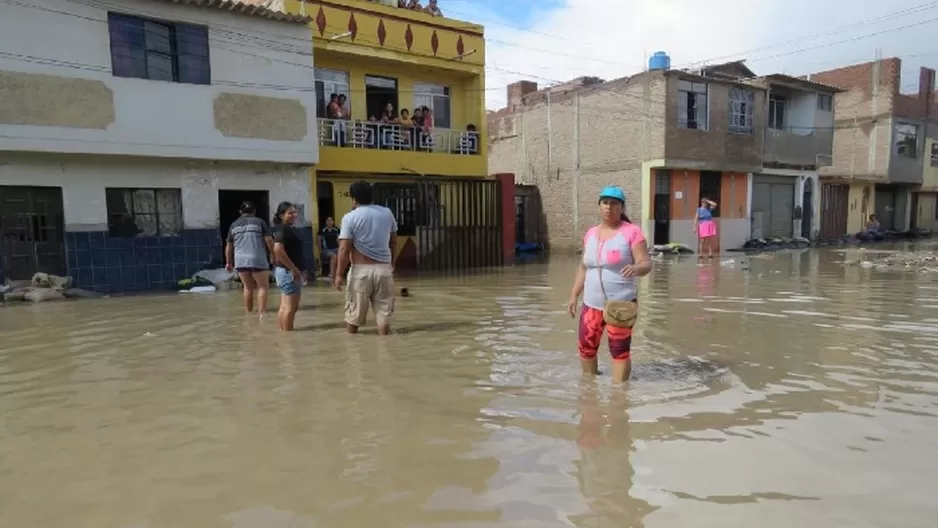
(614, 254)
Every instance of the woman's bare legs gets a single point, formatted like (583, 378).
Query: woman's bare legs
(289, 304)
(247, 280)
(262, 284)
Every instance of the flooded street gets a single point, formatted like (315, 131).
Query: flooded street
(782, 392)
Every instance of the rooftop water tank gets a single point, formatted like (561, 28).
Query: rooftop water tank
(659, 61)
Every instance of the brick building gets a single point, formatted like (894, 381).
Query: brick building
(667, 137)
(879, 157)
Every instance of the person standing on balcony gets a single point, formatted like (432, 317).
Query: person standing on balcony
(615, 254)
(433, 9)
(705, 227)
(367, 241)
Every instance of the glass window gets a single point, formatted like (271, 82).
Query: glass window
(693, 108)
(825, 102)
(162, 51)
(907, 140)
(777, 112)
(741, 110)
(436, 98)
(144, 212)
(330, 82)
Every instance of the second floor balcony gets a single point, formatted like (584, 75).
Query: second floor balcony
(375, 147)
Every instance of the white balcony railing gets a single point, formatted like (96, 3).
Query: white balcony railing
(380, 136)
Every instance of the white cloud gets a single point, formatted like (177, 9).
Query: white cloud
(612, 38)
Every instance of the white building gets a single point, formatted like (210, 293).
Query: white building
(130, 131)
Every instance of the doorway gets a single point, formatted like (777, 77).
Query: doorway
(662, 205)
(379, 91)
(32, 231)
(229, 205)
(325, 200)
(807, 209)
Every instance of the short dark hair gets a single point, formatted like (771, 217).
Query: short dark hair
(247, 207)
(333, 96)
(361, 192)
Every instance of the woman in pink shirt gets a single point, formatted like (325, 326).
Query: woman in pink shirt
(615, 253)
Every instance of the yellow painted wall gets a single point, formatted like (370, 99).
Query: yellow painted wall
(927, 205)
(929, 173)
(858, 212)
(466, 103)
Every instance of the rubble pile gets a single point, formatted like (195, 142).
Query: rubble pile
(921, 261)
(42, 287)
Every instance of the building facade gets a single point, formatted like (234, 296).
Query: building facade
(880, 140)
(382, 60)
(799, 132)
(130, 133)
(667, 137)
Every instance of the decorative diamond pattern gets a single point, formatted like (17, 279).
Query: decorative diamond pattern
(434, 42)
(352, 26)
(321, 21)
(382, 32)
(409, 37)
(460, 47)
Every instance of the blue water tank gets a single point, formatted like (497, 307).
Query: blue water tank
(659, 61)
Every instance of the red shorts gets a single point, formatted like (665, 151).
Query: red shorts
(591, 336)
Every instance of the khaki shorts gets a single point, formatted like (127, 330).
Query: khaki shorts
(369, 284)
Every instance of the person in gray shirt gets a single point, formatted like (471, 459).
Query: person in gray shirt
(367, 241)
(248, 250)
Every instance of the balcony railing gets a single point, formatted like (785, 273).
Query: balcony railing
(381, 136)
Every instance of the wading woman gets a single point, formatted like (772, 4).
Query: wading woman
(289, 264)
(614, 254)
(248, 251)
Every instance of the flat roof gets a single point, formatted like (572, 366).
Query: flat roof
(781, 77)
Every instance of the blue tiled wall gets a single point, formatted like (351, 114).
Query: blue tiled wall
(106, 264)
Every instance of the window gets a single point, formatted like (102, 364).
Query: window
(160, 51)
(436, 98)
(934, 155)
(401, 199)
(777, 112)
(144, 212)
(907, 140)
(825, 102)
(741, 110)
(330, 82)
(692, 105)
(710, 189)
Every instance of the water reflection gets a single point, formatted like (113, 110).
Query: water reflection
(766, 391)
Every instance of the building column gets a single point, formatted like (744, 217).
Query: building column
(506, 185)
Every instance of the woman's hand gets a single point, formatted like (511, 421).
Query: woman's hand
(571, 306)
(628, 271)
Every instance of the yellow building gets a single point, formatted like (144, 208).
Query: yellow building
(433, 178)
(925, 200)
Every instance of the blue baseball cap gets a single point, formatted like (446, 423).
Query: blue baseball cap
(612, 192)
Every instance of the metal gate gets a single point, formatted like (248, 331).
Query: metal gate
(459, 224)
(32, 231)
(885, 205)
(773, 206)
(834, 199)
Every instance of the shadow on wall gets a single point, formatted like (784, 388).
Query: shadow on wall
(530, 221)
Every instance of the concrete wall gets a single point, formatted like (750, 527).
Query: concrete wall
(715, 148)
(83, 180)
(808, 134)
(929, 168)
(57, 93)
(863, 132)
(593, 137)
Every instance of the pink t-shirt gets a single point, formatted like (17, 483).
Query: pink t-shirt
(604, 261)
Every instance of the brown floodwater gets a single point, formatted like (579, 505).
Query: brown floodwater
(785, 391)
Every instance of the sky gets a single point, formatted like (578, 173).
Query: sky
(551, 41)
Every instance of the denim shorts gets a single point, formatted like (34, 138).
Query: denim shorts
(285, 281)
